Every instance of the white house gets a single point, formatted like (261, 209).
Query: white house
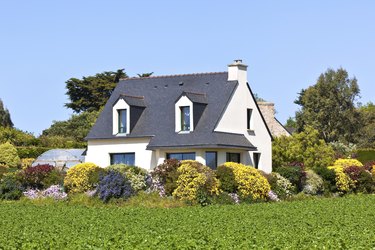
(209, 117)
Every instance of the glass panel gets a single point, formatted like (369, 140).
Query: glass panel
(122, 121)
(234, 157)
(185, 118)
(181, 156)
(249, 112)
(256, 159)
(125, 158)
(211, 160)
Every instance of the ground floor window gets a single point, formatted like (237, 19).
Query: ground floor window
(256, 157)
(234, 157)
(123, 158)
(211, 159)
(181, 156)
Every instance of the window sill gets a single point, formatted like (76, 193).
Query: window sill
(184, 132)
(121, 134)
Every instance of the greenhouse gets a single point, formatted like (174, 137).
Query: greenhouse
(61, 158)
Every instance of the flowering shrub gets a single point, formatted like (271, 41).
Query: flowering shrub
(314, 183)
(137, 176)
(273, 196)
(9, 155)
(114, 185)
(55, 191)
(347, 163)
(369, 166)
(248, 181)
(166, 174)
(26, 162)
(343, 182)
(295, 173)
(34, 177)
(10, 187)
(280, 185)
(195, 178)
(82, 177)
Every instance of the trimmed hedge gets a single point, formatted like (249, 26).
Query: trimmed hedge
(31, 152)
(366, 155)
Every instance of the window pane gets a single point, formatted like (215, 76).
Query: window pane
(181, 156)
(188, 156)
(234, 157)
(256, 159)
(122, 121)
(123, 158)
(211, 160)
(185, 118)
(249, 112)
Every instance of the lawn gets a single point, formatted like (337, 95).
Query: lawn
(347, 222)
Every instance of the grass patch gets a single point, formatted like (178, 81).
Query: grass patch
(331, 222)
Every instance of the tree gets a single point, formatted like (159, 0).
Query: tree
(329, 106)
(92, 92)
(17, 137)
(145, 74)
(291, 123)
(305, 147)
(5, 120)
(367, 131)
(76, 128)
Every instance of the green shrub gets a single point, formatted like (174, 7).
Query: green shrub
(366, 155)
(329, 178)
(10, 187)
(282, 187)
(227, 180)
(195, 180)
(249, 183)
(167, 175)
(222, 199)
(82, 177)
(3, 170)
(136, 175)
(31, 151)
(314, 184)
(305, 147)
(9, 156)
(365, 182)
(295, 174)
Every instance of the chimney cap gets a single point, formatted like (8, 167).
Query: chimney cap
(238, 63)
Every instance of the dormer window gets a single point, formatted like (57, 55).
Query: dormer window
(185, 118)
(122, 121)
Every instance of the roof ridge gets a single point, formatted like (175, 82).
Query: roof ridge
(176, 75)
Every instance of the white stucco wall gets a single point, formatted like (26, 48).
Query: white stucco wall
(98, 151)
(234, 120)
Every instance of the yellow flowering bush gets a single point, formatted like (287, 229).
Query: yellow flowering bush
(348, 163)
(193, 178)
(343, 181)
(248, 181)
(82, 177)
(26, 162)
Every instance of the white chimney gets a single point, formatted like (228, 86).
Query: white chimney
(237, 71)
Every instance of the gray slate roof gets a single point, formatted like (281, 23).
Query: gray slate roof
(158, 118)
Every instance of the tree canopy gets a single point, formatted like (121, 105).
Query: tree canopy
(76, 128)
(329, 107)
(367, 131)
(5, 120)
(92, 92)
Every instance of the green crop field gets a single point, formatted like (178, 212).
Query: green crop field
(332, 223)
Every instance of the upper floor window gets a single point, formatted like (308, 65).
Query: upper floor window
(122, 121)
(249, 113)
(185, 118)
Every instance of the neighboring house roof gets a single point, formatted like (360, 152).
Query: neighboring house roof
(158, 118)
(267, 110)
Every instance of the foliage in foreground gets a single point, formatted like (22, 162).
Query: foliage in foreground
(306, 224)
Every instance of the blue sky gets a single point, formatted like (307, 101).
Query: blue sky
(286, 44)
